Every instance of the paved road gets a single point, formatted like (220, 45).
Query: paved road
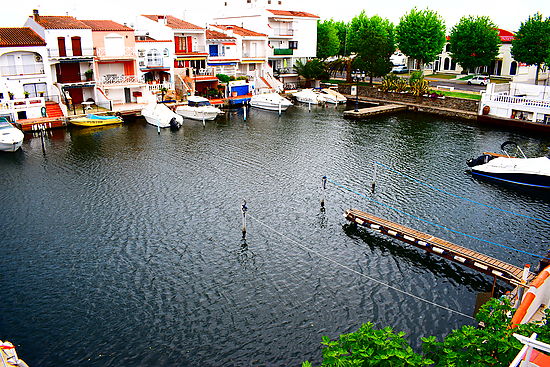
(458, 84)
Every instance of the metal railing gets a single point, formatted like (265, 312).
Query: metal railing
(519, 100)
(54, 53)
(200, 49)
(122, 52)
(113, 79)
(253, 55)
(25, 69)
(157, 87)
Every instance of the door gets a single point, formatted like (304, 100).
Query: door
(114, 46)
(76, 95)
(127, 96)
(77, 47)
(213, 50)
(61, 46)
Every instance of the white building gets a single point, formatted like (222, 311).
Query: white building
(292, 35)
(222, 53)
(25, 81)
(70, 54)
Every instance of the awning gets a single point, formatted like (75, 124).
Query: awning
(191, 58)
(221, 63)
(252, 61)
(72, 61)
(229, 43)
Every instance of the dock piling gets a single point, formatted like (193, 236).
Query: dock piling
(244, 208)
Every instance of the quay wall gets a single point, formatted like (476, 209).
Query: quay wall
(449, 106)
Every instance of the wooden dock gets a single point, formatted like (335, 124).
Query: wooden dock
(472, 259)
(374, 111)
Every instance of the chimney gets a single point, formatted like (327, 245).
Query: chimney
(35, 14)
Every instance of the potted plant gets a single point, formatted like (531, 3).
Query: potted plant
(26, 94)
(41, 94)
(10, 94)
(89, 74)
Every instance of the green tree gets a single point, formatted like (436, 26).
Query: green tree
(421, 35)
(531, 43)
(474, 42)
(311, 70)
(373, 41)
(342, 31)
(328, 43)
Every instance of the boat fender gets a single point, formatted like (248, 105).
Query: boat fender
(118, 114)
(43, 112)
(174, 125)
(486, 110)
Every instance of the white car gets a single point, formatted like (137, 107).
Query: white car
(479, 80)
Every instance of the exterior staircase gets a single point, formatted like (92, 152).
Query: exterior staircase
(53, 110)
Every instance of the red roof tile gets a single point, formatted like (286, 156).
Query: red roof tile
(20, 37)
(505, 36)
(60, 22)
(173, 22)
(240, 30)
(292, 13)
(210, 34)
(106, 25)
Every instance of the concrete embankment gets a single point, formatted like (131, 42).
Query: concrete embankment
(448, 106)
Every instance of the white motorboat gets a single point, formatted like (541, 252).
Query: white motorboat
(157, 114)
(11, 138)
(198, 108)
(309, 96)
(533, 172)
(270, 101)
(333, 96)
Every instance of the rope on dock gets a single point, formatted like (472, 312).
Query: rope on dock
(432, 223)
(458, 196)
(359, 273)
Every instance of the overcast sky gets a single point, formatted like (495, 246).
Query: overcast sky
(507, 14)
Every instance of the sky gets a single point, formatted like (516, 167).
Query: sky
(506, 14)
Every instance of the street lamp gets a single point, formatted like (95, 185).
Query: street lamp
(357, 95)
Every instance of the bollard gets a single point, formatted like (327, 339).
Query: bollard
(324, 185)
(244, 111)
(373, 186)
(244, 208)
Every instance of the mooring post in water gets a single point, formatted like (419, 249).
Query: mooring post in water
(244, 111)
(279, 108)
(324, 182)
(158, 127)
(523, 285)
(42, 133)
(309, 106)
(374, 178)
(203, 122)
(244, 208)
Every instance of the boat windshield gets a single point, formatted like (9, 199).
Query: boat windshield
(5, 125)
(199, 104)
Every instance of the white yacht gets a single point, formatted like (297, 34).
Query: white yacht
(198, 108)
(309, 96)
(11, 138)
(333, 96)
(157, 114)
(270, 101)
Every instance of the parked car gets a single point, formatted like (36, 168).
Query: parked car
(479, 80)
(400, 69)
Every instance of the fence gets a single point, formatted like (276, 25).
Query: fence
(87, 108)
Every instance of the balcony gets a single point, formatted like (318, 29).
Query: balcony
(195, 50)
(125, 53)
(53, 53)
(25, 69)
(283, 32)
(114, 80)
(282, 51)
(252, 55)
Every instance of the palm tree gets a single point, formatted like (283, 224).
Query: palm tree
(311, 70)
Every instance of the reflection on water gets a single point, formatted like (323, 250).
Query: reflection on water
(124, 247)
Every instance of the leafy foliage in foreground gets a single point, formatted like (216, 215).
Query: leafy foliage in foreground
(491, 345)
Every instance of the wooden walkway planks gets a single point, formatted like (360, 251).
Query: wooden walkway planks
(374, 111)
(475, 260)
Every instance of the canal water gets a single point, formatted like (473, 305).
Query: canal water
(122, 247)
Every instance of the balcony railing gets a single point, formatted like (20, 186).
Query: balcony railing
(54, 53)
(25, 69)
(196, 49)
(252, 55)
(122, 52)
(21, 104)
(155, 87)
(541, 103)
(113, 80)
(283, 32)
(282, 51)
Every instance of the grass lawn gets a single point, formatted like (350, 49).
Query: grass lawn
(461, 95)
(442, 76)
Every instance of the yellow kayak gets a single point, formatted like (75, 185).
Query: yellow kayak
(94, 120)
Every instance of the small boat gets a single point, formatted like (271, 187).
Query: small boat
(270, 101)
(9, 356)
(11, 138)
(309, 96)
(94, 120)
(198, 108)
(532, 172)
(157, 114)
(333, 96)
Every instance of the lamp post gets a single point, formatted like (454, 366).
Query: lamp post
(357, 95)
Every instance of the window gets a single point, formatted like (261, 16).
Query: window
(142, 63)
(213, 50)
(293, 45)
(251, 67)
(154, 58)
(141, 53)
(448, 47)
(76, 45)
(166, 52)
